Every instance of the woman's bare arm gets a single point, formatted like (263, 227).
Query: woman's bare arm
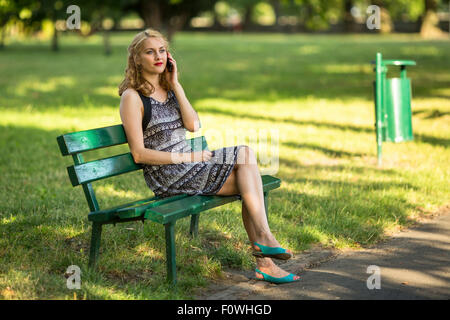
(188, 115)
(131, 114)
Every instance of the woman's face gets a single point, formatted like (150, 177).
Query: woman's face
(153, 56)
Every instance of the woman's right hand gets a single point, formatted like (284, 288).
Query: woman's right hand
(201, 156)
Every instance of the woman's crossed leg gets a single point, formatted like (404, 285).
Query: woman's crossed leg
(245, 180)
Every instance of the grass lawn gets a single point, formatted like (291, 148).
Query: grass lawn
(314, 91)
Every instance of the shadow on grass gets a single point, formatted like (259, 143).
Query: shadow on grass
(431, 114)
(327, 151)
(353, 218)
(301, 66)
(435, 141)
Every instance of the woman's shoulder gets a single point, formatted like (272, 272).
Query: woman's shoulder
(131, 95)
(130, 99)
(130, 92)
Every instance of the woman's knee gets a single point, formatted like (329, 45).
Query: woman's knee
(246, 155)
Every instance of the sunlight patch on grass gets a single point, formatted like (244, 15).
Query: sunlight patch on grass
(107, 91)
(304, 109)
(145, 250)
(67, 119)
(6, 220)
(110, 191)
(441, 91)
(308, 49)
(107, 292)
(24, 87)
(419, 50)
(344, 68)
(70, 231)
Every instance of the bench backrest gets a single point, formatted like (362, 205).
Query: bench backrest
(84, 173)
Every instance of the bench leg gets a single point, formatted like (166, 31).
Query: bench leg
(170, 253)
(95, 244)
(194, 225)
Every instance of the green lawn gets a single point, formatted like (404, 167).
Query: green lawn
(314, 91)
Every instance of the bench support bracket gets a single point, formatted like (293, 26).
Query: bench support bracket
(194, 225)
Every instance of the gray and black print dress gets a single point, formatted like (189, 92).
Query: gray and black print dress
(164, 131)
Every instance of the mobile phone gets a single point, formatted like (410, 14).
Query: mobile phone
(169, 64)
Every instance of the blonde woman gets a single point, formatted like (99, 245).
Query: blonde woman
(155, 113)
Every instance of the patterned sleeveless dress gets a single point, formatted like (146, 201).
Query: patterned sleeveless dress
(163, 131)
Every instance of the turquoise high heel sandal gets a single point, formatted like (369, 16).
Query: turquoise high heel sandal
(271, 252)
(287, 279)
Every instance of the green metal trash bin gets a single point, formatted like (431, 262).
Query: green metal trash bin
(392, 103)
(397, 105)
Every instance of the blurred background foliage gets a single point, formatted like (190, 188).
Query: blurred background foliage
(46, 19)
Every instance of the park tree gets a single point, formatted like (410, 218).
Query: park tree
(430, 20)
(32, 13)
(424, 11)
(168, 16)
(277, 9)
(348, 19)
(245, 7)
(102, 15)
(8, 12)
(93, 14)
(386, 24)
(316, 14)
(50, 10)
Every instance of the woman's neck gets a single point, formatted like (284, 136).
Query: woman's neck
(153, 79)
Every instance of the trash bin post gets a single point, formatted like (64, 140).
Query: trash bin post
(378, 104)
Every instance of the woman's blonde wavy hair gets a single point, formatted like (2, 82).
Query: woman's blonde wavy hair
(133, 75)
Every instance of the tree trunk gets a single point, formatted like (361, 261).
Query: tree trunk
(175, 24)
(247, 22)
(277, 10)
(349, 21)
(55, 45)
(386, 22)
(216, 25)
(387, 26)
(2, 38)
(107, 42)
(151, 13)
(430, 21)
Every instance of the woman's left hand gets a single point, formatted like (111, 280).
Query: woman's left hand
(171, 77)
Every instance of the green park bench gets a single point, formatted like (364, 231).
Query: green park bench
(165, 211)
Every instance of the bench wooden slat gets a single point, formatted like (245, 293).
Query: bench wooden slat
(112, 166)
(138, 210)
(108, 214)
(132, 209)
(194, 204)
(87, 140)
(103, 168)
(198, 143)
